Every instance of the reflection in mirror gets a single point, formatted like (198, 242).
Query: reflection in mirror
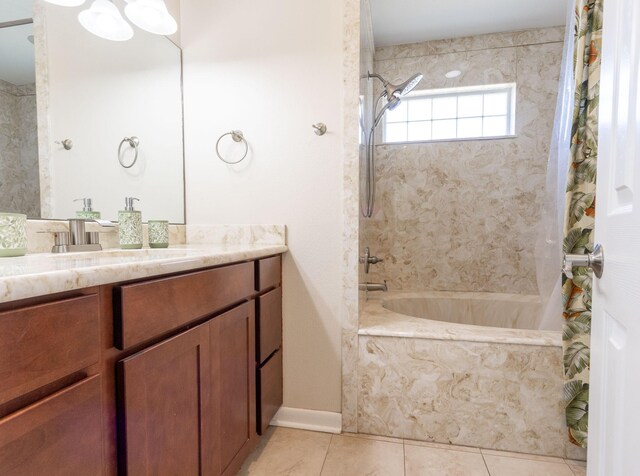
(93, 93)
(19, 180)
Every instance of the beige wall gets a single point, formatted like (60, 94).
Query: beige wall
(463, 215)
(272, 69)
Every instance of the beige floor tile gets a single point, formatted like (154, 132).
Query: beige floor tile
(285, 451)
(349, 456)
(579, 469)
(426, 461)
(444, 446)
(373, 437)
(503, 466)
(576, 462)
(510, 454)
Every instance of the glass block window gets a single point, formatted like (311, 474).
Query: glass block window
(452, 114)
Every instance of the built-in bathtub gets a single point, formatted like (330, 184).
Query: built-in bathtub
(462, 368)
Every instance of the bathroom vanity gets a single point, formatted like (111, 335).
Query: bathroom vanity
(174, 372)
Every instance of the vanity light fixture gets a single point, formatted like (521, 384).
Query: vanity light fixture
(151, 16)
(66, 3)
(103, 19)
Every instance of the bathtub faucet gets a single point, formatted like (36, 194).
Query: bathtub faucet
(367, 259)
(373, 286)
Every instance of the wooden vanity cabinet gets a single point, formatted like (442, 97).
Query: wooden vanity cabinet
(268, 340)
(50, 389)
(187, 403)
(170, 375)
(166, 400)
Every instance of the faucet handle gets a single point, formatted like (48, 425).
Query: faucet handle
(61, 242)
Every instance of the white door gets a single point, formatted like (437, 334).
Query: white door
(614, 410)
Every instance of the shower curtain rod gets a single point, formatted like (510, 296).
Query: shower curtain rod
(9, 24)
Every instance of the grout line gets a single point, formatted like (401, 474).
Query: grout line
(443, 53)
(404, 459)
(325, 455)
(571, 469)
(485, 462)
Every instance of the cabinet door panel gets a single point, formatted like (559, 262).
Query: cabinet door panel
(152, 308)
(270, 390)
(58, 436)
(164, 390)
(233, 350)
(43, 343)
(269, 319)
(269, 272)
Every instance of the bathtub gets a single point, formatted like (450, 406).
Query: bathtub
(462, 368)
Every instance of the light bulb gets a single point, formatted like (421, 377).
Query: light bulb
(151, 16)
(103, 19)
(66, 3)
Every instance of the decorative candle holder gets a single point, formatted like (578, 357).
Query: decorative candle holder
(158, 233)
(13, 234)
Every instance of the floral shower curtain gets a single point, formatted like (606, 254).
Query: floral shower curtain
(579, 215)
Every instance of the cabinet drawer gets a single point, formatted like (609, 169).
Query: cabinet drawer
(270, 385)
(268, 273)
(151, 308)
(60, 435)
(41, 344)
(269, 323)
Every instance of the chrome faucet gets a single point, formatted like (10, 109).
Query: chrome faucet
(373, 286)
(77, 239)
(368, 260)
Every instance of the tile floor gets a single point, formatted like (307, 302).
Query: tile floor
(285, 451)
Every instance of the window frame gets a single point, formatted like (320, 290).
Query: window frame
(509, 88)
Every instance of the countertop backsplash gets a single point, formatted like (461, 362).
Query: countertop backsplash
(40, 234)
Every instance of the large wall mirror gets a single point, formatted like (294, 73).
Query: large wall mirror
(68, 100)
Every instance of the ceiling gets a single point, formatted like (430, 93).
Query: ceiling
(397, 22)
(15, 10)
(17, 55)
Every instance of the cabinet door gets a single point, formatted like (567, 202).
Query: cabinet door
(233, 379)
(59, 435)
(162, 393)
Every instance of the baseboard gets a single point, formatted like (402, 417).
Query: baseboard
(314, 420)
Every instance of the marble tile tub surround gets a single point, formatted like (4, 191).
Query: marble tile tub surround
(357, 50)
(19, 186)
(463, 215)
(503, 397)
(378, 320)
(284, 451)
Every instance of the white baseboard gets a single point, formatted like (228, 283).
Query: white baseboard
(314, 420)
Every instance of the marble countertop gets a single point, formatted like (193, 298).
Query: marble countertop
(46, 273)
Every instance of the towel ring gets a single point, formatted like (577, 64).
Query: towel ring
(133, 142)
(237, 136)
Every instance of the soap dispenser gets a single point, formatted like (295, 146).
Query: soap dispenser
(87, 211)
(130, 225)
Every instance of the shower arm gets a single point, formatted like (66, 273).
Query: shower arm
(374, 75)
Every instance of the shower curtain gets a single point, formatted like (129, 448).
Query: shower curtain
(549, 242)
(579, 215)
(569, 206)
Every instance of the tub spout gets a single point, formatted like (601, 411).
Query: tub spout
(373, 286)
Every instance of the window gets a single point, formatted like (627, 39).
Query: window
(452, 114)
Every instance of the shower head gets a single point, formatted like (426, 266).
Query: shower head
(409, 84)
(391, 90)
(390, 106)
